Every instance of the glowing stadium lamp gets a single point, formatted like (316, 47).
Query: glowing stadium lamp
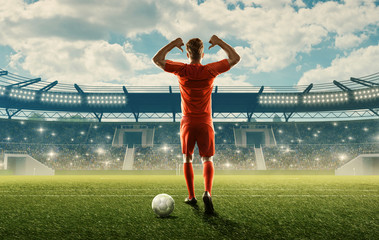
(2, 90)
(278, 99)
(368, 94)
(100, 151)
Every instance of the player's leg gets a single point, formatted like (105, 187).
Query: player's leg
(189, 176)
(205, 141)
(188, 145)
(208, 173)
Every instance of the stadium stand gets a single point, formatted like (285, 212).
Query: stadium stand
(88, 145)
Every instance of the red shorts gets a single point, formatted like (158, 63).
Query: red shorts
(192, 131)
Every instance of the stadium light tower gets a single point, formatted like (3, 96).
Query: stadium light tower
(131, 104)
(364, 82)
(48, 87)
(343, 87)
(307, 90)
(25, 83)
(253, 106)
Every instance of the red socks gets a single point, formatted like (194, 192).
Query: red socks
(189, 176)
(208, 172)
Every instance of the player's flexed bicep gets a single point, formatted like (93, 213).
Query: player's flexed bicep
(233, 57)
(160, 57)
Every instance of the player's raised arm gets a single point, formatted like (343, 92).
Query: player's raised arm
(159, 58)
(233, 57)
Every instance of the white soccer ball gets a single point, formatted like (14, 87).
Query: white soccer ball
(163, 205)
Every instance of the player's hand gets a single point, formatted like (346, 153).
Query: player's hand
(214, 41)
(179, 43)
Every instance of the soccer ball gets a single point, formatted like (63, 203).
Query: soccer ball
(163, 205)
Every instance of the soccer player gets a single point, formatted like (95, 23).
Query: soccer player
(196, 126)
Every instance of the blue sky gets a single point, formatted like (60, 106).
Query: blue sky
(282, 42)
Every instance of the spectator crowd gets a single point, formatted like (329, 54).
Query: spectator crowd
(88, 145)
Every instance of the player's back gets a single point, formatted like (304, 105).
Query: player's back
(196, 85)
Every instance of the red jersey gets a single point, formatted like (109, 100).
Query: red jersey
(196, 85)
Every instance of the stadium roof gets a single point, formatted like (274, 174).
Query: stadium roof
(19, 95)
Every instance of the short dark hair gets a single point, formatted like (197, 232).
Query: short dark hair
(195, 48)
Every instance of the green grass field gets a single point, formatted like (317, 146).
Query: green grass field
(247, 206)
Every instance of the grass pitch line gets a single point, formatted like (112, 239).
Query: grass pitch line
(215, 195)
(225, 189)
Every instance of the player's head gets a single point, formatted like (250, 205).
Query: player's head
(195, 49)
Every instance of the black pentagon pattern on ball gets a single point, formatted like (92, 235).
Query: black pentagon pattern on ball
(163, 205)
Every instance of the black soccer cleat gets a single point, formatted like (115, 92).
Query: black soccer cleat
(207, 199)
(191, 201)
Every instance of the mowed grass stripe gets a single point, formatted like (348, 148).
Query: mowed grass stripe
(220, 189)
(215, 195)
(248, 207)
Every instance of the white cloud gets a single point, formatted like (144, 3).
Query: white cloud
(349, 40)
(168, 79)
(353, 16)
(276, 33)
(299, 3)
(67, 40)
(358, 63)
(82, 62)
(227, 79)
(158, 79)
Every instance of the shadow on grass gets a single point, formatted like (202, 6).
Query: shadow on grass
(226, 227)
(168, 217)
